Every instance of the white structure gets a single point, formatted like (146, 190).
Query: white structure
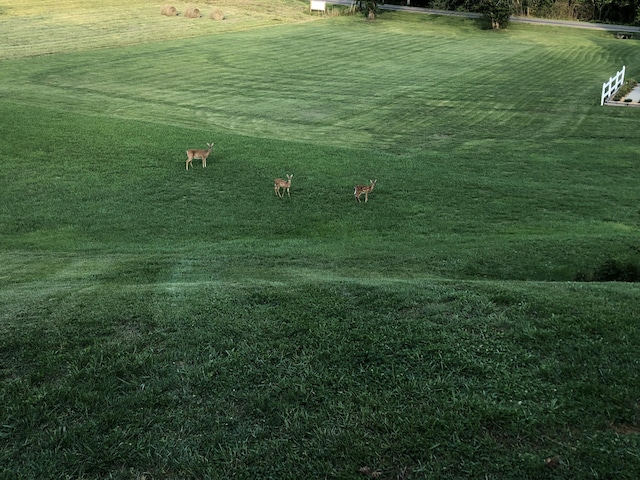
(611, 87)
(318, 5)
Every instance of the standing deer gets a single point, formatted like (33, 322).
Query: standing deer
(198, 155)
(279, 183)
(366, 189)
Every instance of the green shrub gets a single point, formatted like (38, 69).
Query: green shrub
(495, 13)
(628, 85)
(369, 8)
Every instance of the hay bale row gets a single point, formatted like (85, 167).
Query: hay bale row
(169, 11)
(216, 14)
(190, 12)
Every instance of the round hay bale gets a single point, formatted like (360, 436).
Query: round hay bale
(216, 14)
(169, 11)
(192, 12)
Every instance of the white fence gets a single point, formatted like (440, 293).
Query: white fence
(318, 5)
(611, 87)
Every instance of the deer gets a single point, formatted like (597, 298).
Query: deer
(279, 183)
(366, 189)
(198, 155)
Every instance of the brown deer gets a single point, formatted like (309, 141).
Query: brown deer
(198, 155)
(279, 183)
(366, 189)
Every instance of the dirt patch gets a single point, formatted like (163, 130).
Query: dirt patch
(626, 429)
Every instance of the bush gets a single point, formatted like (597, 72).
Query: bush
(495, 13)
(369, 8)
(628, 85)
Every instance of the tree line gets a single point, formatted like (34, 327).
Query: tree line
(626, 12)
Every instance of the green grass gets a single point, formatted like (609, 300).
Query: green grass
(163, 323)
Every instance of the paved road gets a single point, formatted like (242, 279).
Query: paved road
(541, 21)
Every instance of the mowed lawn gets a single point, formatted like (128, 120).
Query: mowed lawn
(163, 323)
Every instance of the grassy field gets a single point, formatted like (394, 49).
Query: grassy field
(160, 323)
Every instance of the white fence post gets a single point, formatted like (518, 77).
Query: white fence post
(612, 86)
